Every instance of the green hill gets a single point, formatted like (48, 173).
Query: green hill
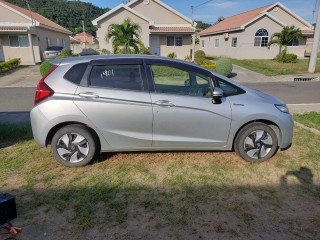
(68, 14)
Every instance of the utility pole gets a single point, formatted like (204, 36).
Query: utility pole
(193, 36)
(85, 38)
(315, 45)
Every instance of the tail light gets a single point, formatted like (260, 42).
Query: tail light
(43, 90)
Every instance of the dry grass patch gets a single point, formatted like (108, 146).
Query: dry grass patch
(175, 195)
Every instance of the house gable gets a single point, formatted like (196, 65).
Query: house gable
(287, 16)
(9, 15)
(159, 12)
(117, 10)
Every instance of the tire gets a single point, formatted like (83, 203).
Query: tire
(256, 142)
(73, 146)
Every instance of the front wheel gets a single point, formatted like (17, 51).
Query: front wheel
(73, 146)
(256, 142)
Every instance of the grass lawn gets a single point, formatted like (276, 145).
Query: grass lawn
(273, 68)
(179, 195)
(311, 119)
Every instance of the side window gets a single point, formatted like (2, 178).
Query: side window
(178, 81)
(75, 73)
(228, 88)
(117, 76)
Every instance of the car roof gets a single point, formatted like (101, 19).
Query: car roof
(75, 60)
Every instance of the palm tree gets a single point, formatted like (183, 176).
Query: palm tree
(125, 37)
(285, 37)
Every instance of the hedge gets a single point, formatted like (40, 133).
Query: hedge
(11, 64)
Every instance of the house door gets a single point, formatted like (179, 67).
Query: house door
(1, 53)
(155, 44)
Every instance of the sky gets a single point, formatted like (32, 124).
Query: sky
(211, 11)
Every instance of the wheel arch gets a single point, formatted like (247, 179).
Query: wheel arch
(55, 128)
(271, 124)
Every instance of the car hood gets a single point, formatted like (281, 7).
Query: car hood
(261, 95)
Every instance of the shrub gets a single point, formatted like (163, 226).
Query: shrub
(66, 52)
(199, 54)
(224, 67)
(11, 64)
(285, 57)
(45, 67)
(211, 66)
(188, 58)
(172, 55)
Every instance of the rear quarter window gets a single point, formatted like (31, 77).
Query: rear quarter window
(75, 73)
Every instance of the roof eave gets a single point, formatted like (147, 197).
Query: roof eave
(222, 31)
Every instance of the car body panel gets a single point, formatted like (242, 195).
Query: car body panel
(127, 120)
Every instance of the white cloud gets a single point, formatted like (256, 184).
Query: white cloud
(223, 4)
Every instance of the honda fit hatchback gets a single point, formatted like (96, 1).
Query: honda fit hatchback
(117, 103)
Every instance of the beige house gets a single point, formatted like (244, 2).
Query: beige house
(164, 29)
(25, 34)
(245, 35)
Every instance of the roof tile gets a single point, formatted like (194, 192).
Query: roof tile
(235, 21)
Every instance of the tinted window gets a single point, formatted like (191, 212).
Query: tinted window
(54, 48)
(117, 76)
(179, 81)
(76, 72)
(228, 88)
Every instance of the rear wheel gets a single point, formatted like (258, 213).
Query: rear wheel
(256, 142)
(73, 146)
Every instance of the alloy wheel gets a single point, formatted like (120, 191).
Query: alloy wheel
(72, 147)
(258, 144)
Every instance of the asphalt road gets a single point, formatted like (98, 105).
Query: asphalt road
(21, 99)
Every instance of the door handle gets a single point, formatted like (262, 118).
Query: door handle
(164, 103)
(88, 95)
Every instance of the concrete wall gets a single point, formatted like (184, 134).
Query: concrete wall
(54, 36)
(158, 13)
(24, 53)
(9, 16)
(117, 18)
(286, 17)
(181, 51)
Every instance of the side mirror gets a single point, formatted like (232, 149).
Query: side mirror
(217, 95)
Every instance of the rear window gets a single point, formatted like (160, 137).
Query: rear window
(76, 72)
(117, 76)
(54, 48)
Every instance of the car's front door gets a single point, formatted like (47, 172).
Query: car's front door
(184, 114)
(115, 98)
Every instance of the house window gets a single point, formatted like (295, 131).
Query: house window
(19, 41)
(63, 43)
(48, 42)
(234, 42)
(202, 43)
(261, 38)
(294, 43)
(174, 40)
(216, 43)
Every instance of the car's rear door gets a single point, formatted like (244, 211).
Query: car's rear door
(184, 114)
(115, 97)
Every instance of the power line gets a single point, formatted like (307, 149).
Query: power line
(203, 3)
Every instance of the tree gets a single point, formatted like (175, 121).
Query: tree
(285, 37)
(125, 37)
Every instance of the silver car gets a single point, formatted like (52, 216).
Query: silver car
(117, 103)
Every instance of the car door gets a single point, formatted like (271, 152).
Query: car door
(114, 96)
(184, 115)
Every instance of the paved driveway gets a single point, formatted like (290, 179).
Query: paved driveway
(24, 76)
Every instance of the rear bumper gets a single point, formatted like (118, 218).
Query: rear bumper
(38, 124)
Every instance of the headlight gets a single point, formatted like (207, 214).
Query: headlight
(282, 107)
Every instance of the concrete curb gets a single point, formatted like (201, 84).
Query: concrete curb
(315, 131)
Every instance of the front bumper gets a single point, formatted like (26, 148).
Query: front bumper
(285, 124)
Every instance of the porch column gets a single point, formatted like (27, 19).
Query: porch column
(31, 47)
